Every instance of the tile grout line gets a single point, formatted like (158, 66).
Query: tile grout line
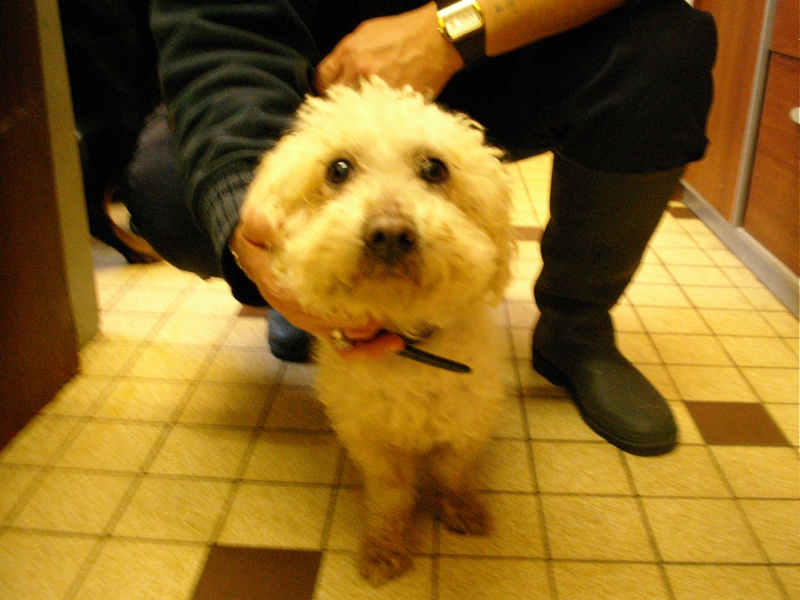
(127, 498)
(244, 462)
(155, 449)
(651, 535)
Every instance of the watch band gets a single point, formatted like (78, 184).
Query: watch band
(472, 46)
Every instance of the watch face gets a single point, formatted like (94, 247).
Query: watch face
(461, 20)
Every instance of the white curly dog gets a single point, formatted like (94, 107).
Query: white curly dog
(395, 209)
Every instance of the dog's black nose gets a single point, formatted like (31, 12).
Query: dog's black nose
(389, 238)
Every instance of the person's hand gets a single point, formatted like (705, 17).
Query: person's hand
(405, 49)
(250, 244)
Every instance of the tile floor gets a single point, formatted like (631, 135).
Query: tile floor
(185, 462)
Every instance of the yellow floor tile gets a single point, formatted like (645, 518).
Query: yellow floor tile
(40, 566)
(295, 458)
(571, 468)
(111, 446)
(748, 351)
(756, 472)
(666, 475)
(777, 526)
(203, 301)
(737, 322)
(716, 383)
(170, 362)
(690, 349)
(190, 329)
(78, 397)
(722, 582)
(672, 320)
(661, 380)
(762, 298)
(692, 530)
(202, 452)
(789, 576)
(657, 294)
(637, 347)
(148, 300)
(223, 404)
(39, 441)
(694, 257)
(557, 419)
(74, 502)
(596, 528)
(247, 333)
(627, 319)
(774, 384)
(99, 357)
(127, 327)
(174, 509)
(476, 579)
(236, 365)
(261, 516)
(717, 297)
(143, 400)
(609, 581)
(783, 322)
(504, 467)
(14, 482)
(163, 274)
(699, 275)
(138, 570)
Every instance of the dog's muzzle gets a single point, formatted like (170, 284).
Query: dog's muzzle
(389, 238)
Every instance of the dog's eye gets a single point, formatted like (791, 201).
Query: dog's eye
(433, 170)
(339, 171)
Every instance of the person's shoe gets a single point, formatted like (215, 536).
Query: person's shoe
(598, 230)
(286, 341)
(614, 399)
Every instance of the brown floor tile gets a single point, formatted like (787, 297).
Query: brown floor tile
(736, 424)
(258, 574)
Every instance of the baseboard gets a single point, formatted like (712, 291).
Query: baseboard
(776, 276)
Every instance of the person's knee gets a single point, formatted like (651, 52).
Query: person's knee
(157, 206)
(648, 107)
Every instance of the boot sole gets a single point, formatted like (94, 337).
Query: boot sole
(555, 376)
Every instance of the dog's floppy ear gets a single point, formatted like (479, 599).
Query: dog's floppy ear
(282, 179)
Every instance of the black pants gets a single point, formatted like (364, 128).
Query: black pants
(626, 93)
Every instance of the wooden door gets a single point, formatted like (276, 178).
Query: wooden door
(716, 177)
(771, 215)
(38, 338)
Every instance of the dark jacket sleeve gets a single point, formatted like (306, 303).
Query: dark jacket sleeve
(232, 75)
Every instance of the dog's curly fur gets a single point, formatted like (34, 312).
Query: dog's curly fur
(452, 261)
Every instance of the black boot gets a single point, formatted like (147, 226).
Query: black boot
(286, 341)
(599, 227)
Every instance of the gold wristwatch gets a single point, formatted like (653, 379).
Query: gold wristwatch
(463, 25)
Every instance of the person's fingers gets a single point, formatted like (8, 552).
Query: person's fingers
(328, 72)
(256, 227)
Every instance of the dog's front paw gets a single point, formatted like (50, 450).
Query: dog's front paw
(380, 561)
(465, 514)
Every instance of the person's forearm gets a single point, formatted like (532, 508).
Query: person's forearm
(511, 24)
